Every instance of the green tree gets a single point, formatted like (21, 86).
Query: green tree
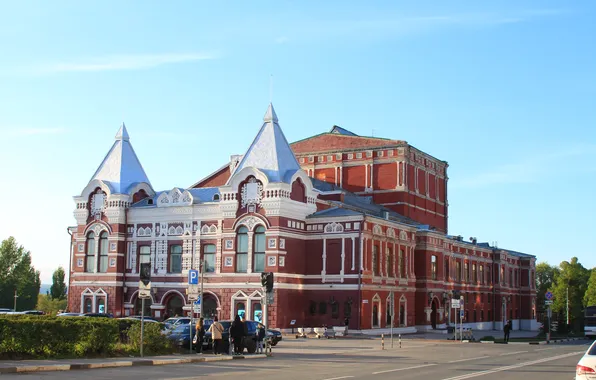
(58, 288)
(545, 279)
(49, 305)
(571, 283)
(17, 274)
(590, 296)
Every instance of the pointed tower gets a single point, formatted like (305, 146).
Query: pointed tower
(121, 167)
(270, 152)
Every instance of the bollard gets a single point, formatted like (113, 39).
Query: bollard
(382, 341)
(399, 340)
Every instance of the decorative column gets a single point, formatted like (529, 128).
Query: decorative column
(343, 258)
(249, 260)
(353, 253)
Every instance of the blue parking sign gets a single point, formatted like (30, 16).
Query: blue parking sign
(193, 277)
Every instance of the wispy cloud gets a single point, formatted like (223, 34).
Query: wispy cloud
(123, 62)
(528, 170)
(16, 132)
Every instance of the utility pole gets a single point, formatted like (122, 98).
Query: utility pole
(15, 300)
(201, 291)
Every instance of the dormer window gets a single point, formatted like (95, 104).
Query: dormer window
(216, 197)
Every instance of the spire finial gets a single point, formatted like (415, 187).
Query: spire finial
(270, 115)
(122, 133)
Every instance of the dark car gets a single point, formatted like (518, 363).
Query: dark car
(250, 342)
(274, 336)
(70, 315)
(181, 335)
(98, 315)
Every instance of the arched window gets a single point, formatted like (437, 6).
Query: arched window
(242, 250)
(103, 252)
(259, 249)
(176, 259)
(90, 255)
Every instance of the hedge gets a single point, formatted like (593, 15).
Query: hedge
(29, 336)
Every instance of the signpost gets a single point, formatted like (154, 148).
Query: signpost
(549, 301)
(461, 319)
(196, 295)
(144, 292)
(392, 308)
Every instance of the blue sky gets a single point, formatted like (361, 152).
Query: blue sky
(504, 91)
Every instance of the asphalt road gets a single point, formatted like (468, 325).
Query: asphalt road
(363, 359)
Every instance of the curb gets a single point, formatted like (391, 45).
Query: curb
(122, 363)
(536, 342)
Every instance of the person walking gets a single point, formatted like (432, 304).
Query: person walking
(237, 334)
(260, 337)
(216, 330)
(199, 335)
(506, 331)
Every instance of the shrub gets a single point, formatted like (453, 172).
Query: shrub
(154, 341)
(30, 336)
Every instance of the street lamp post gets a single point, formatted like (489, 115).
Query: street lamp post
(15, 300)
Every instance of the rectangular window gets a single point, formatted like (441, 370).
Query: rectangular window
(402, 264)
(474, 274)
(241, 262)
(446, 272)
(481, 268)
(466, 272)
(176, 259)
(433, 267)
(103, 256)
(390, 263)
(375, 260)
(329, 158)
(358, 155)
(209, 258)
(144, 254)
(458, 271)
(350, 156)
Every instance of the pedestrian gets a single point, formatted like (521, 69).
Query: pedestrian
(237, 334)
(260, 337)
(510, 323)
(346, 324)
(199, 335)
(506, 330)
(216, 330)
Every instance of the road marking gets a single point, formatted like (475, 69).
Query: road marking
(513, 353)
(546, 349)
(342, 377)
(482, 373)
(403, 369)
(468, 359)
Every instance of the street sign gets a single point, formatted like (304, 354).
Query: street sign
(144, 293)
(193, 296)
(196, 307)
(198, 301)
(455, 304)
(548, 302)
(193, 277)
(548, 295)
(461, 314)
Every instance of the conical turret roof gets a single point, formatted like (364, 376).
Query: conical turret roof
(270, 151)
(121, 167)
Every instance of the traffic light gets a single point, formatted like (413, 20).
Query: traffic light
(267, 281)
(145, 275)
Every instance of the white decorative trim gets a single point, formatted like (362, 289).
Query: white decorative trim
(334, 227)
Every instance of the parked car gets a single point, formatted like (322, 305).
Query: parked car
(98, 315)
(176, 321)
(34, 312)
(180, 335)
(145, 318)
(274, 336)
(4, 310)
(586, 368)
(70, 315)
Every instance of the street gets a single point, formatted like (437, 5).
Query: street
(363, 359)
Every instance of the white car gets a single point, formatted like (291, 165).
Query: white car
(586, 368)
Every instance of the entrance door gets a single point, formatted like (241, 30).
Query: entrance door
(433, 314)
(375, 316)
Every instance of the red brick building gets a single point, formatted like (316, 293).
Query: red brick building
(342, 220)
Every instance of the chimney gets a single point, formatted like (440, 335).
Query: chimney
(385, 214)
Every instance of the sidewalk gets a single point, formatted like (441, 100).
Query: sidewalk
(15, 366)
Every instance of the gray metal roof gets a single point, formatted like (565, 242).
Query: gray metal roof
(334, 211)
(270, 152)
(121, 168)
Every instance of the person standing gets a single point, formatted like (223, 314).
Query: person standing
(200, 334)
(506, 331)
(260, 337)
(216, 330)
(237, 334)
